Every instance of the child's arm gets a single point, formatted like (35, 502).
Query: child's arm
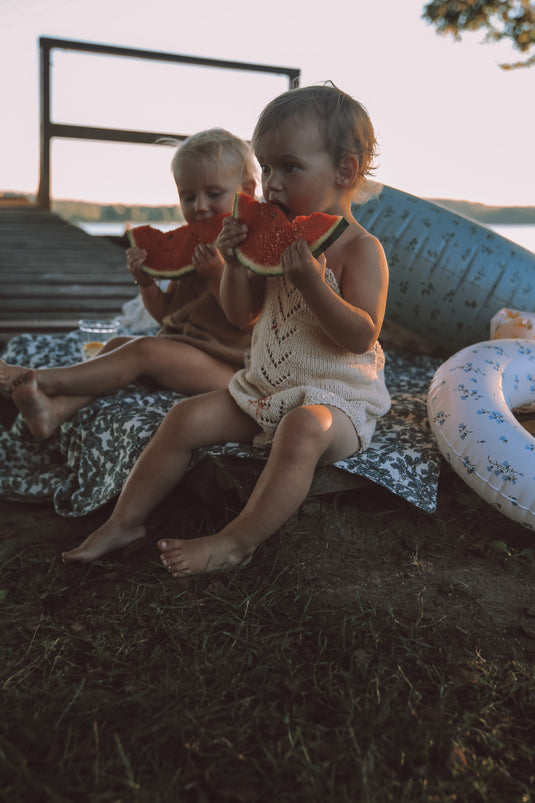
(241, 291)
(155, 301)
(354, 319)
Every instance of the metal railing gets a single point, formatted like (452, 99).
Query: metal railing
(49, 129)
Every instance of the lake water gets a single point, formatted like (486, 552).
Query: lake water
(523, 235)
(117, 229)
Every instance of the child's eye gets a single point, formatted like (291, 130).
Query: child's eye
(290, 167)
(216, 194)
(264, 169)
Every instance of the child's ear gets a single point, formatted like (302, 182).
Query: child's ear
(249, 187)
(347, 171)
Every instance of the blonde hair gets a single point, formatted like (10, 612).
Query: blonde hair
(344, 122)
(217, 144)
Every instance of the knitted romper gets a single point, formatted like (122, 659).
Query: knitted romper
(294, 363)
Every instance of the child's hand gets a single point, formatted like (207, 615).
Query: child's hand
(208, 262)
(232, 234)
(135, 259)
(299, 265)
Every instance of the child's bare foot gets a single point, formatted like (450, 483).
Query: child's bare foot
(202, 555)
(106, 539)
(9, 375)
(37, 409)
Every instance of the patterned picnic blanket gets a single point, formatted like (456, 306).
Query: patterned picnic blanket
(86, 462)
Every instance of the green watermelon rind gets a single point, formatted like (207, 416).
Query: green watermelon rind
(317, 247)
(158, 273)
(186, 270)
(330, 237)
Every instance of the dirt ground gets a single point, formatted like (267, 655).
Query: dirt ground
(466, 569)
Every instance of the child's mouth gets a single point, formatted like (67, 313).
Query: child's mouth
(284, 209)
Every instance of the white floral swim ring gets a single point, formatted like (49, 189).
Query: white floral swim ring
(470, 403)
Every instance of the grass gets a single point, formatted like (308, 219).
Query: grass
(119, 684)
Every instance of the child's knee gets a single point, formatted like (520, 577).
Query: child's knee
(184, 421)
(304, 427)
(309, 419)
(146, 348)
(112, 344)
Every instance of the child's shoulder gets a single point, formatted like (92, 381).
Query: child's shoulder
(357, 257)
(355, 243)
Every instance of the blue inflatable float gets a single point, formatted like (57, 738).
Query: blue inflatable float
(448, 275)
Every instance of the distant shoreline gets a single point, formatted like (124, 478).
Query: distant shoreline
(84, 211)
(483, 213)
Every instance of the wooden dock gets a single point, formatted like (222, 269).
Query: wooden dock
(52, 273)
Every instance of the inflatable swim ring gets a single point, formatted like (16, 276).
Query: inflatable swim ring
(470, 403)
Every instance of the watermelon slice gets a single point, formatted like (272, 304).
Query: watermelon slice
(270, 233)
(170, 253)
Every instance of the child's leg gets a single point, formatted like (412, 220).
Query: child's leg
(48, 397)
(113, 343)
(191, 423)
(304, 437)
(172, 364)
(44, 414)
(13, 375)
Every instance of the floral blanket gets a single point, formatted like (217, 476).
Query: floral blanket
(87, 461)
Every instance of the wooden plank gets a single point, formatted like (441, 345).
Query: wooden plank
(38, 325)
(36, 290)
(227, 472)
(24, 279)
(52, 273)
(84, 308)
(71, 306)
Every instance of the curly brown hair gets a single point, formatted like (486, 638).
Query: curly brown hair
(345, 123)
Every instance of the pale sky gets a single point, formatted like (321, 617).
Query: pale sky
(450, 122)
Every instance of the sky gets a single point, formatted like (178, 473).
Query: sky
(450, 123)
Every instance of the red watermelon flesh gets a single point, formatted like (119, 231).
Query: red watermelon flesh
(269, 233)
(170, 253)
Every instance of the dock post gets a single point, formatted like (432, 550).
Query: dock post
(43, 193)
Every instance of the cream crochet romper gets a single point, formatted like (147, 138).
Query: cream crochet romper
(294, 363)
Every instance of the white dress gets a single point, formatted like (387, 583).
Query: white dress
(294, 363)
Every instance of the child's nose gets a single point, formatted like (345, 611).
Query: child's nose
(273, 181)
(201, 204)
